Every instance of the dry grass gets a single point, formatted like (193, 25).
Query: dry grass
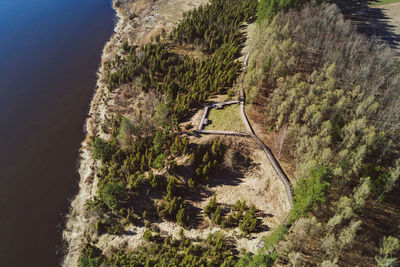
(226, 119)
(384, 2)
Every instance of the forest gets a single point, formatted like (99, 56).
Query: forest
(337, 92)
(334, 90)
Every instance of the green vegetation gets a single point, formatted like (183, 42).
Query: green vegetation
(257, 260)
(384, 2)
(91, 256)
(310, 191)
(340, 106)
(123, 180)
(277, 235)
(103, 149)
(183, 80)
(139, 148)
(267, 9)
(205, 162)
(240, 215)
(113, 194)
(226, 119)
(211, 207)
(249, 222)
(214, 251)
(215, 24)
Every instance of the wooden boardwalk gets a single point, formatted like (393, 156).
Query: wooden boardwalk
(250, 133)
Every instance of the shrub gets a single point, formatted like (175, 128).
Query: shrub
(216, 216)
(113, 194)
(211, 206)
(181, 216)
(159, 161)
(102, 149)
(257, 260)
(276, 235)
(115, 228)
(91, 256)
(172, 166)
(310, 191)
(191, 183)
(249, 222)
(169, 208)
(147, 235)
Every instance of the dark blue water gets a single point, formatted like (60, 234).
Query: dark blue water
(49, 53)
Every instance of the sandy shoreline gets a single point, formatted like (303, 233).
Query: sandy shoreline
(137, 22)
(77, 226)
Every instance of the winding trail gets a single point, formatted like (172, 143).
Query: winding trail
(250, 133)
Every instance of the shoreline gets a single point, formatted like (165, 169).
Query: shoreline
(77, 226)
(149, 18)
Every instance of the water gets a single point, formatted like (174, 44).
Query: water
(49, 53)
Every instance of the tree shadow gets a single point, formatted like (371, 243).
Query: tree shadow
(226, 177)
(260, 226)
(195, 216)
(369, 20)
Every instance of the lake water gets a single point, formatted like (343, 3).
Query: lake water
(49, 53)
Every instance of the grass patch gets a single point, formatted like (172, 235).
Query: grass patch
(277, 235)
(226, 119)
(384, 2)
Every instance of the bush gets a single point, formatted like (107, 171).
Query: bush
(276, 235)
(249, 222)
(102, 149)
(91, 256)
(310, 192)
(257, 260)
(147, 236)
(113, 194)
(115, 228)
(216, 216)
(191, 183)
(159, 161)
(181, 216)
(169, 209)
(172, 166)
(211, 206)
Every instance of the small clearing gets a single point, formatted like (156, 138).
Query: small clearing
(225, 119)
